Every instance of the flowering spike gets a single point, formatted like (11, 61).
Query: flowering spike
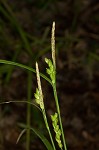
(39, 95)
(56, 129)
(38, 79)
(50, 70)
(53, 44)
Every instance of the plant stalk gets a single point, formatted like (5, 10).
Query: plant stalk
(58, 111)
(29, 110)
(47, 126)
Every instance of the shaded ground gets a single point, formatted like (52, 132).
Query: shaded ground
(77, 40)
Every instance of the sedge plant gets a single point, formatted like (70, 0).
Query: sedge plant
(56, 117)
(51, 71)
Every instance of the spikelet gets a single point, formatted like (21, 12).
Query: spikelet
(51, 70)
(39, 95)
(57, 130)
(53, 44)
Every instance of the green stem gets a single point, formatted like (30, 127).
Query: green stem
(47, 126)
(58, 111)
(29, 111)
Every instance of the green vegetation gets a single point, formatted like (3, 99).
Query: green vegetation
(25, 43)
(39, 97)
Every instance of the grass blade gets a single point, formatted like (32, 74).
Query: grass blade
(2, 61)
(40, 135)
(29, 94)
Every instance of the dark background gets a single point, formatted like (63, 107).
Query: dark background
(25, 31)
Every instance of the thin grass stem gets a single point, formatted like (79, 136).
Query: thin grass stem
(29, 93)
(47, 126)
(58, 111)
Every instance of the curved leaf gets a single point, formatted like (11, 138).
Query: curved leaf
(27, 102)
(40, 135)
(24, 67)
